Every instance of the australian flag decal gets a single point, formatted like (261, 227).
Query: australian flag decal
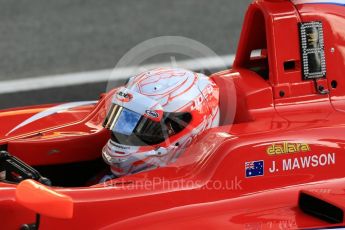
(254, 168)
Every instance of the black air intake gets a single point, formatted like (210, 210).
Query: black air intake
(320, 208)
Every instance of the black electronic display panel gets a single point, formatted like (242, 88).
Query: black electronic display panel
(312, 50)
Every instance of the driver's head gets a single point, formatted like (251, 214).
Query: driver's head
(155, 116)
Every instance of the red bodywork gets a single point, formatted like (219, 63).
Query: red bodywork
(276, 118)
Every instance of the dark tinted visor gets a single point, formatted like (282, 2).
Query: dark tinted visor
(131, 128)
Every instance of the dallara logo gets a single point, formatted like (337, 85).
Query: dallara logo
(286, 147)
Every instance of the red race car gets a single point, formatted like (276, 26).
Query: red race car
(275, 160)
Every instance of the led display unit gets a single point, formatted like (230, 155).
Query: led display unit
(312, 50)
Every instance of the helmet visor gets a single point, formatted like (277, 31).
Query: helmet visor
(126, 122)
(131, 128)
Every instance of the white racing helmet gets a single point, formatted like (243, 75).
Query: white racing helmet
(155, 116)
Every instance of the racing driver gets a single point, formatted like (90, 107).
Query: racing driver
(155, 116)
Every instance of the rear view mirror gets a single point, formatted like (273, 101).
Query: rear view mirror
(43, 200)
